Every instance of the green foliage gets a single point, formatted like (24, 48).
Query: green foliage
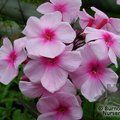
(34, 1)
(14, 106)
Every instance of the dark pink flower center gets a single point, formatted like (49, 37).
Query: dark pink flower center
(51, 61)
(109, 40)
(61, 8)
(95, 69)
(12, 57)
(48, 35)
(62, 109)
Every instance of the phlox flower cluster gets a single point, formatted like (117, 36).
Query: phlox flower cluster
(58, 59)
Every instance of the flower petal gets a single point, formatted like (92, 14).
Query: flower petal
(45, 8)
(20, 43)
(70, 60)
(68, 88)
(7, 45)
(92, 89)
(30, 89)
(76, 113)
(100, 49)
(51, 20)
(65, 33)
(68, 99)
(32, 28)
(34, 70)
(109, 80)
(112, 57)
(54, 78)
(47, 116)
(79, 76)
(87, 54)
(92, 34)
(49, 49)
(47, 104)
(21, 57)
(7, 72)
(6, 48)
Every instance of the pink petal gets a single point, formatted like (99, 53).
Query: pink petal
(67, 99)
(48, 116)
(21, 57)
(109, 80)
(79, 76)
(51, 20)
(48, 49)
(5, 49)
(68, 88)
(116, 49)
(20, 43)
(45, 8)
(7, 45)
(112, 57)
(65, 33)
(33, 27)
(7, 72)
(70, 60)
(92, 89)
(87, 54)
(92, 34)
(58, 2)
(76, 113)
(100, 49)
(73, 6)
(34, 70)
(114, 25)
(99, 14)
(67, 17)
(66, 1)
(30, 89)
(65, 117)
(54, 78)
(47, 104)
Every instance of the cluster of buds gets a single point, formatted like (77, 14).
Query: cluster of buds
(57, 59)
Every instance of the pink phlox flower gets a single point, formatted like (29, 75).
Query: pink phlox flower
(68, 8)
(46, 36)
(52, 72)
(93, 77)
(11, 56)
(61, 106)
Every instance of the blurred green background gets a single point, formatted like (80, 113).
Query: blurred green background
(13, 17)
